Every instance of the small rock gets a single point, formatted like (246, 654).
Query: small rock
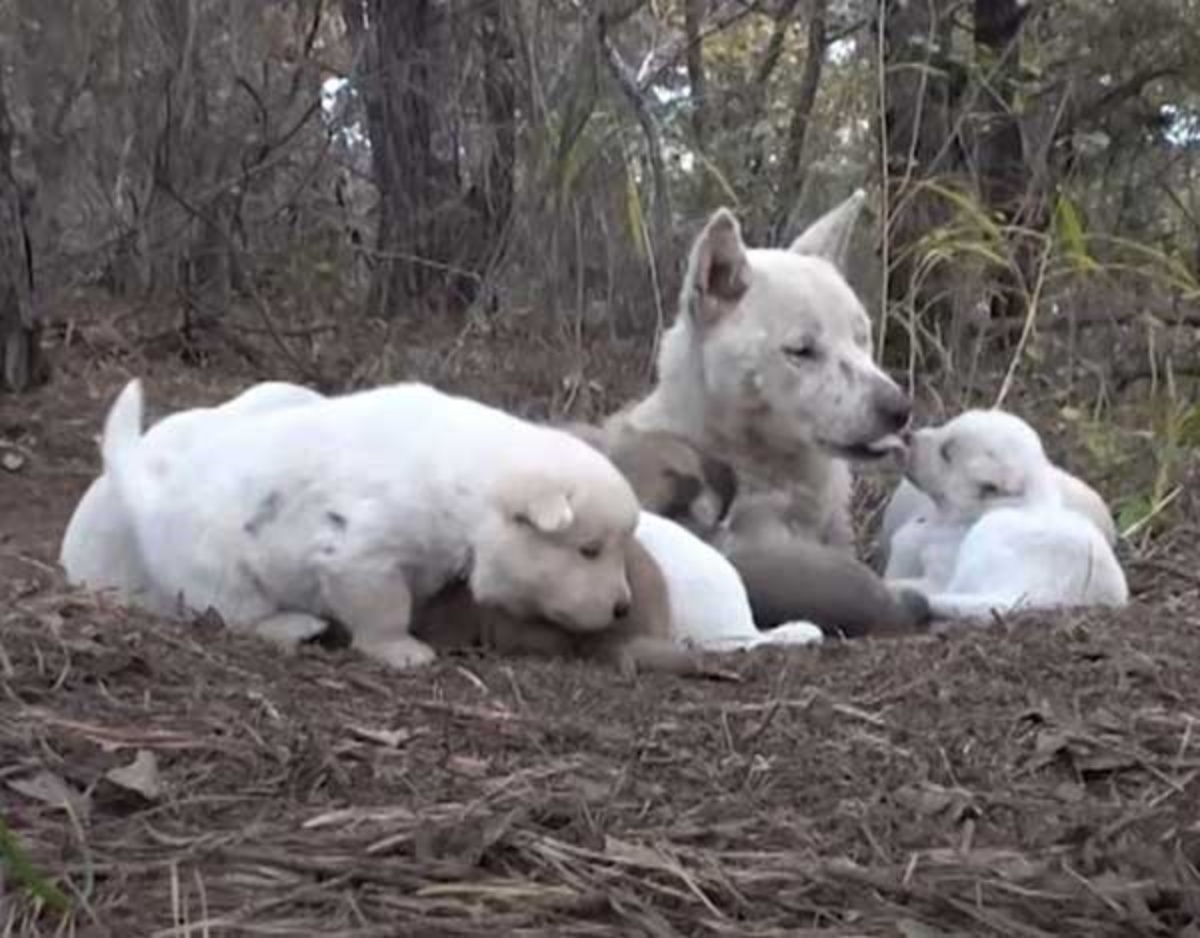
(12, 461)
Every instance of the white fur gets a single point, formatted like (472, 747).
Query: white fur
(769, 363)
(1000, 536)
(709, 606)
(908, 502)
(99, 550)
(354, 508)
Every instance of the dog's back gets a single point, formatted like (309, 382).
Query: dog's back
(99, 547)
(1017, 558)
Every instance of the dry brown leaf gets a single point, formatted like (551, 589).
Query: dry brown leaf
(51, 789)
(393, 739)
(633, 854)
(141, 775)
(468, 766)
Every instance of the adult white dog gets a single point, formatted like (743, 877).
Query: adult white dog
(1000, 537)
(99, 550)
(354, 508)
(769, 364)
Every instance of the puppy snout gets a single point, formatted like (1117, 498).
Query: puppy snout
(894, 406)
(621, 609)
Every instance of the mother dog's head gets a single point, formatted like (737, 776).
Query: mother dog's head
(782, 345)
(553, 538)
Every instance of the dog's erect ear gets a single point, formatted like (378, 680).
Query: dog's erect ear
(718, 273)
(549, 513)
(829, 236)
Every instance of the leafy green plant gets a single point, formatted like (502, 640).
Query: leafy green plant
(26, 876)
(1175, 433)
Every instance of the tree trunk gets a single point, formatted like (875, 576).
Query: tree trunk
(405, 44)
(920, 91)
(792, 171)
(999, 150)
(693, 20)
(22, 364)
(500, 104)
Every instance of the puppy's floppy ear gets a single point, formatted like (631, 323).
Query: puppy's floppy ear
(548, 512)
(997, 478)
(718, 272)
(829, 236)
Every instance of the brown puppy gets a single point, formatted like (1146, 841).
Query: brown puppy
(641, 641)
(670, 476)
(790, 578)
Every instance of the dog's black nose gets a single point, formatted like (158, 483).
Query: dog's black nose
(621, 609)
(896, 407)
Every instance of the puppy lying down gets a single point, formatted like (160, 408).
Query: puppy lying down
(1001, 536)
(358, 508)
(687, 599)
(710, 608)
(99, 548)
(789, 577)
(641, 641)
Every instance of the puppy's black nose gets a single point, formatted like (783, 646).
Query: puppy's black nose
(621, 609)
(895, 407)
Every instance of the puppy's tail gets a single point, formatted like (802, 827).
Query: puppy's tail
(119, 445)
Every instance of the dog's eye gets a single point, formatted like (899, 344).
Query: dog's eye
(591, 551)
(946, 451)
(800, 352)
(988, 490)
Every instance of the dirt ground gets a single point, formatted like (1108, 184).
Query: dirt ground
(1038, 778)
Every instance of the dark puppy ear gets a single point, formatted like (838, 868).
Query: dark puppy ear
(720, 477)
(684, 489)
(718, 272)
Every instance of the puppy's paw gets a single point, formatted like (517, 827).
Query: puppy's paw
(402, 654)
(288, 630)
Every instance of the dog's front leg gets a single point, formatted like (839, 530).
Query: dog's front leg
(373, 600)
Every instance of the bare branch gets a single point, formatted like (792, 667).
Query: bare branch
(634, 95)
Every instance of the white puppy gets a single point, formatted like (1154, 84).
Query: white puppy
(99, 550)
(354, 508)
(1000, 536)
(710, 609)
(909, 502)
